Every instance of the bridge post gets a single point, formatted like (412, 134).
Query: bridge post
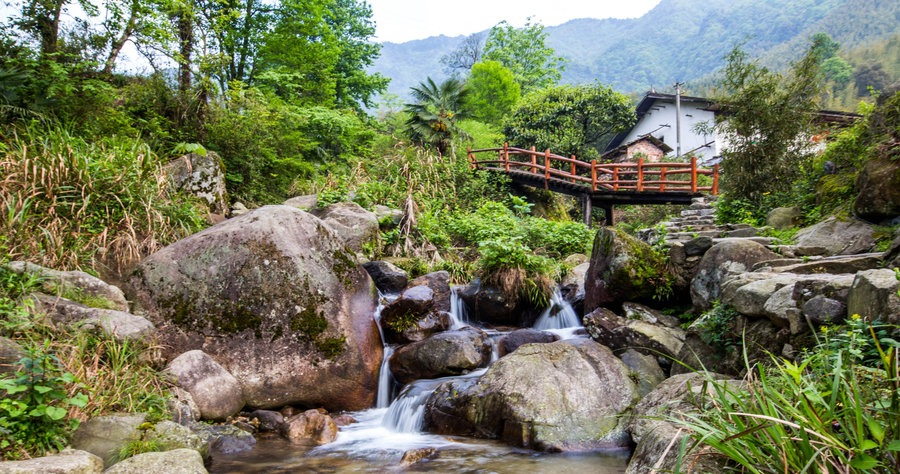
(715, 186)
(506, 155)
(640, 179)
(693, 174)
(608, 212)
(586, 207)
(471, 157)
(533, 160)
(547, 169)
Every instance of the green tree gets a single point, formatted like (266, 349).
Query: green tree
(525, 52)
(433, 117)
(570, 120)
(351, 22)
(493, 91)
(767, 122)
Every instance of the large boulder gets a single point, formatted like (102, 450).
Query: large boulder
(879, 190)
(724, 260)
(176, 461)
(447, 353)
(412, 317)
(838, 236)
(356, 226)
(874, 296)
(75, 285)
(216, 392)
(202, 176)
(68, 461)
(274, 297)
(617, 333)
(566, 395)
(621, 268)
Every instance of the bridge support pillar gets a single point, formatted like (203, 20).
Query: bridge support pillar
(587, 209)
(608, 211)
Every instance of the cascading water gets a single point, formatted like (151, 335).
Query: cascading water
(459, 313)
(559, 317)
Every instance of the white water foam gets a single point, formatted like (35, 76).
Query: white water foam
(459, 313)
(558, 315)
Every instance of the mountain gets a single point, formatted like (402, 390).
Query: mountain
(678, 40)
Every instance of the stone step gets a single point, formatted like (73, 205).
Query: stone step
(698, 212)
(759, 240)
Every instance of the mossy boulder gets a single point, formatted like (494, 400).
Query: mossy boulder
(276, 298)
(563, 396)
(202, 176)
(74, 285)
(622, 268)
(879, 190)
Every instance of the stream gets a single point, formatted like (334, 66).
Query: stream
(377, 441)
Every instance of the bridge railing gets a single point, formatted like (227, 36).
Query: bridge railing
(639, 176)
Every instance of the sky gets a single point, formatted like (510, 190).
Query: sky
(397, 21)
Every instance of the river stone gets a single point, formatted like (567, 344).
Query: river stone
(104, 436)
(356, 226)
(874, 296)
(305, 202)
(562, 396)
(697, 246)
(75, 284)
(176, 461)
(439, 282)
(414, 456)
(310, 428)
(271, 289)
(720, 262)
(879, 190)
(447, 353)
(68, 461)
(268, 420)
(215, 391)
(225, 438)
(649, 315)
(838, 236)
(520, 337)
(654, 435)
(10, 355)
(182, 407)
(119, 325)
(782, 218)
(823, 310)
(202, 176)
(622, 269)
(388, 278)
(616, 332)
(645, 371)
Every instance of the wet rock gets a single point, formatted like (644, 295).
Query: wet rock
(216, 392)
(874, 296)
(68, 461)
(518, 338)
(622, 269)
(782, 218)
(838, 236)
(10, 355)
(561, 396)
(270, 289)
(344, 420)
(447, 353)
(356, 226)
(492, 306)
(724, 260)
(414, 456)
(268, 420)
(202, 176)
(412, 317)
(439, 282)
(81, 286)
(310, 428)
(572, 285)
(104, 436)
(176, 461)
(388, 277)
(645, 371)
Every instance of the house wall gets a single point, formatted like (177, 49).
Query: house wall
(651, 152)
(663, 113)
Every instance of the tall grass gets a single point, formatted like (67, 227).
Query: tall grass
(66, 202)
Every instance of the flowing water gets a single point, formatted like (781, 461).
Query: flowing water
(377, 441)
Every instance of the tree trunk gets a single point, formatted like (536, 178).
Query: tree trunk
(123, 38)
(186, 48)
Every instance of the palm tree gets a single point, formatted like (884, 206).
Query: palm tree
(432, 118)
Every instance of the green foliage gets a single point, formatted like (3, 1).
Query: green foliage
(493, 92)
(33, 413)
(836, 409)
(570, 120)
(433, 116)
(524, 52)
(137, 446)
(716, 326)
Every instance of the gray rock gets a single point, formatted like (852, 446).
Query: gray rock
(645, 371)
(574, 281)
(835, 265)
(784, 311)
(447, 353)
(182, 407)
(722, 261)
(305, 202)
(271, 289)
(268, 420)
(310, 428)
(387, 217)
(874, 296)
(561, 396)
(117, 324)
(782, 218)
(824, 310)
(10, 355)
(202, 177)
(356, 226)
(224, 439)
(104, 436)
(176, 461)
(742, 233)
(518, 338)
(388, 277)
(838, 236)
(617, 333)
(879, 190)
(622, 269)
(77, 285)
(169, 435)
(649, 315)
(750, 299)
(215, 391)
(68, 461)
(239, 209)
(697, 246)
(439, 282)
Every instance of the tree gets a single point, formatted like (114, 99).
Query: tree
(351, 22)
(570, 120)
(525, 52)
(767, 123)
(433, 117)
(870, 75)
(493, 91)
(837, 70)
(465, 56)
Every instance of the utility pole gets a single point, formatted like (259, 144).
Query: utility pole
(678, 119)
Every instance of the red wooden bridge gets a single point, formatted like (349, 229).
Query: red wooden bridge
(601, 184)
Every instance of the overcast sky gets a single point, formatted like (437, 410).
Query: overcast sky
(403, 20)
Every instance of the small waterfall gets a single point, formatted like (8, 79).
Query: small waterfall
(558, 315)
(407, 412)
(385, 380)
(459, 314)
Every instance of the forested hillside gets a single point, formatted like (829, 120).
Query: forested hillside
(679, 40)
